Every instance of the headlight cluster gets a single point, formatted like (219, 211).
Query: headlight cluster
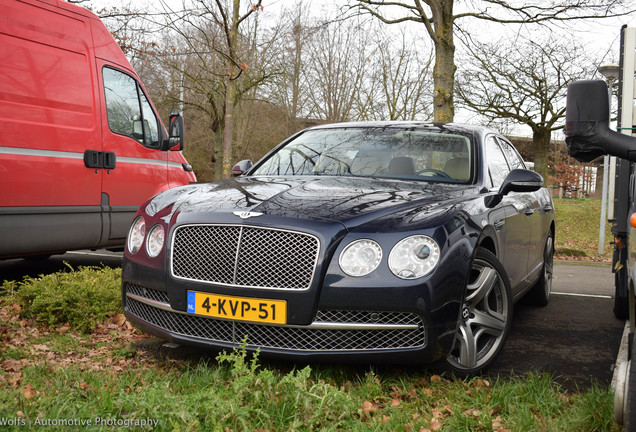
(411, 258)
(360, 257)
(137, 234)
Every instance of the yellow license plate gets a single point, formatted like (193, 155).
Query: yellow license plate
(237, 308)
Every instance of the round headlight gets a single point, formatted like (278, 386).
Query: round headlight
(360, 257)
(136, 235)
(154, 242)
(414, 257)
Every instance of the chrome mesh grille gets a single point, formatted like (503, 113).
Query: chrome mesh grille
(245, 256)
(292, 338)
(148, 293)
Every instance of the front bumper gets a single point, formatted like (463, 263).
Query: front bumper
(369, 336)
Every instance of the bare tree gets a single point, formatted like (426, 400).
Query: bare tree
(400, 86)
(220, 65)
(439, 18)
(525, 81)
(337, 64)
(290, 89)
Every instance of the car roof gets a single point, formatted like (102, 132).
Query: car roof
(453, 127)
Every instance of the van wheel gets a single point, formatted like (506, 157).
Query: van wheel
(541, 291)
(485, 317)
(621, 294)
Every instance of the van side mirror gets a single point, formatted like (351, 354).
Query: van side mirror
(175, 131)
(587, 131)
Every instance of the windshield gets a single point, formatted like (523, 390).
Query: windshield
(374, 152)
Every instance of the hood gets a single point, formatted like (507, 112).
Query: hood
(348, 200)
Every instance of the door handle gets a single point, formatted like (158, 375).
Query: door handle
(528, 212)
(98, 159)
(93, 159)
(109, 160)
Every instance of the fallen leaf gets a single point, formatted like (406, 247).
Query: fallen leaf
(436, 424)
(29, 392)
(119, 319)
(11, 365)
(41, 347)
(369, 407)
(395, 403)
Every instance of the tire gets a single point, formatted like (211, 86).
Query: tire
(621, 294)
(540, 293)
(485, 318)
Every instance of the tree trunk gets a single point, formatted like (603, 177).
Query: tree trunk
(229, 91)
(541, 143)
(444, 69)
(227, 129)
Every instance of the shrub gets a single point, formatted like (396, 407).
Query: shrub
(80, 297)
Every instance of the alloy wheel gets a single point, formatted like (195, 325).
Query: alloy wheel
(484, 319)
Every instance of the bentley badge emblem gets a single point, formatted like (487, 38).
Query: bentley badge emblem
(246, 214)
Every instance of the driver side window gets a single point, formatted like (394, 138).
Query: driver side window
(128, 110)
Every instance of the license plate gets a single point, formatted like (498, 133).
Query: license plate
(237, 308)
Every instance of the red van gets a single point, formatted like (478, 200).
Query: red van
(81, 145)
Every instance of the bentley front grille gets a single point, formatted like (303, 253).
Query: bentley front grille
(332, 330)
(245, 256)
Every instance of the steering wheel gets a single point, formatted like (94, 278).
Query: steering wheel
(433, 171)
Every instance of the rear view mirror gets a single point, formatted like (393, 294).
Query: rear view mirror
(521, 180)
(241, 168)
(176, 131)
(587, 131)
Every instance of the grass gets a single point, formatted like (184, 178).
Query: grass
(235, 393)
(98, 374)
(577, 230)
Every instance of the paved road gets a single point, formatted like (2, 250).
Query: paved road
(575, 337)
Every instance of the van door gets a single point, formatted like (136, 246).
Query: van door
(49, 201)
(135, 166)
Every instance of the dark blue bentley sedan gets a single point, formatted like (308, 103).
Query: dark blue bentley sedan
(391, 242)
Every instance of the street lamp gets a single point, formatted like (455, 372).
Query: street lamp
(610, 72)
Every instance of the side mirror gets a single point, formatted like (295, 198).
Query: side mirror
(176, 131)
(521, 180)
(587, 131)
(241, 168)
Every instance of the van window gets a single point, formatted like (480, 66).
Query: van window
(128, 110)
